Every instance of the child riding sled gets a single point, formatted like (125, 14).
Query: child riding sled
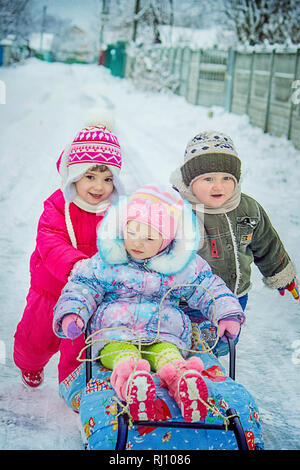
(130, 290)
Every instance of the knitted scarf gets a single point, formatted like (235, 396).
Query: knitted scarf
(187, 193)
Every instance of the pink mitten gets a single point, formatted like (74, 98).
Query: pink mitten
(231, 325)
(72, 325)
(121, 374)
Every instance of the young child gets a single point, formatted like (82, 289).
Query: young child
(237, 230)
(66, 235)
(131, 289)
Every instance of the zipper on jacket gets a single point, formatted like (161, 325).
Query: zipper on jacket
(141, 265)
(236, 256)
(144, 265)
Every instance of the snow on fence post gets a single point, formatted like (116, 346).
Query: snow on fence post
(193, 76)
(269, 91)
(173, 61)
(180, 69)
(250, 83)
(229, 80)
(291, 99)
(188, 73)
(184, 72)
(198, 76)
(179, 66)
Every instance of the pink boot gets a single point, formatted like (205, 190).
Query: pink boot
(137, 388)
(187, 387)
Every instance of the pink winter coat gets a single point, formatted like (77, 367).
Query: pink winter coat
(54, 255)
(50, 265)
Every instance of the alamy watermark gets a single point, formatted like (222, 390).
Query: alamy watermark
(172, 218)
(296, 94)
(2, 92)
(296, 352)
(2, 352)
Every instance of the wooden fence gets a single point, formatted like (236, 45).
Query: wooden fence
(262, 85)
(263, 89)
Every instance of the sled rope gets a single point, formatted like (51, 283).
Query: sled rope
(125, 407)
(89, 342)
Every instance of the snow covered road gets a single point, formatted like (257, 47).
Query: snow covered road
(45, 106)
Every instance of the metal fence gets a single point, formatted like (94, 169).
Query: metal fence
(262, 85)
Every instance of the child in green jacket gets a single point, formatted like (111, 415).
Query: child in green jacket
(236, 230)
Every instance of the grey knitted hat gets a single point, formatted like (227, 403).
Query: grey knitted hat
(210, 152)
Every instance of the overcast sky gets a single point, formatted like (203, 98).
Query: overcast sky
(81, 12)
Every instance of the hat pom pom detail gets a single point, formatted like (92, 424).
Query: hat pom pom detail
(100, 117)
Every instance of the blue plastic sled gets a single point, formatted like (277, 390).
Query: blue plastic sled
(232, 421)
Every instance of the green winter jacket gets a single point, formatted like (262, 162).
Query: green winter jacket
(233, 241)
(236, 237)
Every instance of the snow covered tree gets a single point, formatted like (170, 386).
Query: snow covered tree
(134, 19)
(155, 13)
(150, 69)
(16, 18)
(258, 21)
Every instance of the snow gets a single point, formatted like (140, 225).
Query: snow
(196, 38)
(41, 42)
(45, 105)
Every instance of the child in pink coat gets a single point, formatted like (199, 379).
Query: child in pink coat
(66, 235)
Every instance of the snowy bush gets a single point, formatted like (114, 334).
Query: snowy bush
(264, 21)
(150, 68)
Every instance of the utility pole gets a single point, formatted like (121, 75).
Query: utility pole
(104, 17)
(43, 27)
(171, 20)
(135, 21)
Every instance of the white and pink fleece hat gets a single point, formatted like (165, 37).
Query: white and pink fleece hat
(164, 210)
(157, 208)
(95, 144)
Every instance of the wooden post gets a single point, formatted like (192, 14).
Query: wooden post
(198, 77)
(250, 83)
(229, 80)
(180, 69)
(269, 91)
(187, 85)
(291, 103)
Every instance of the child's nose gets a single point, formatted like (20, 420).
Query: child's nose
(98, 184)
(217, 184)
(138, 243)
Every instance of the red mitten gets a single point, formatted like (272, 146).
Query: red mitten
(293, 288)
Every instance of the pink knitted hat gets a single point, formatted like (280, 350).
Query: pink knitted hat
(161, 209)
(93, 145)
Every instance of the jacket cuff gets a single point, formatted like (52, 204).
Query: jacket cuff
(281, 279)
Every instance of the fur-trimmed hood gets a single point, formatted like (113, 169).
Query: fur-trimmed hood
(173, 259)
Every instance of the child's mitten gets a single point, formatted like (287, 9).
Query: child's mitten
(293, 288)
(231, 325)
(72, 325)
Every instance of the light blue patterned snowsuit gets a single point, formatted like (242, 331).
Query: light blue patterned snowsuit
(127, 294)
